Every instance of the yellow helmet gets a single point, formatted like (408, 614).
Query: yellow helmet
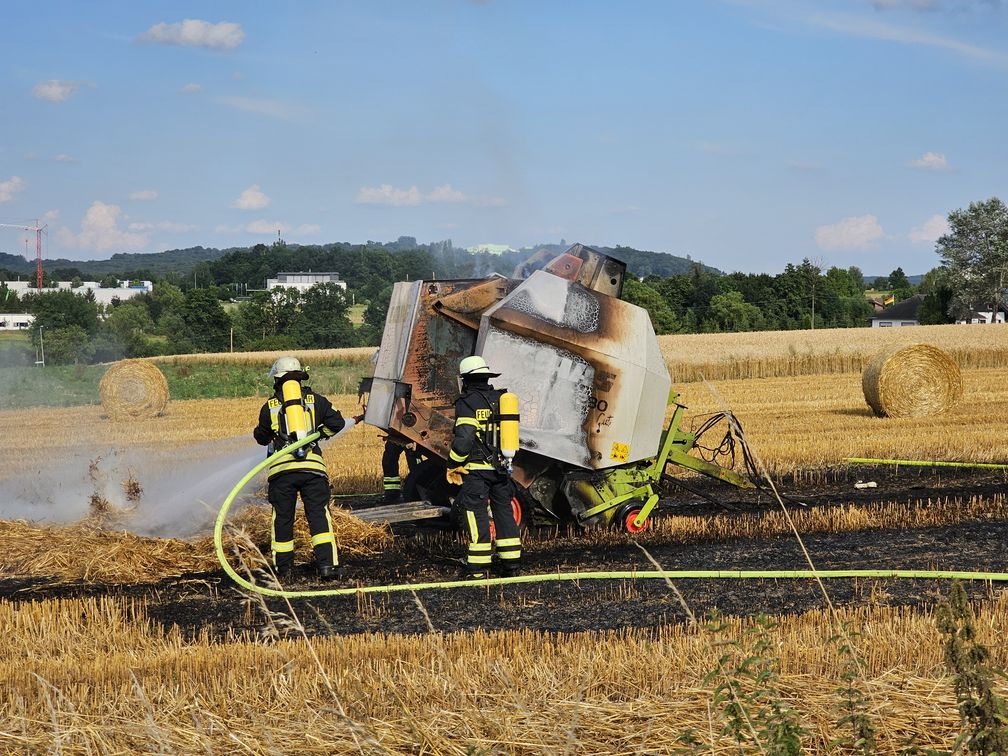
(285, 365)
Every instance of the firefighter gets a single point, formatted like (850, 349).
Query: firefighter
(476, 465)
(391, 480)
(295, 411)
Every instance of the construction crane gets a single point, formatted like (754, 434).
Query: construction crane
(39, 230)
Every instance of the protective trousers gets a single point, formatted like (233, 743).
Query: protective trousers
(391, 482)
(472, 497)
(314, 490)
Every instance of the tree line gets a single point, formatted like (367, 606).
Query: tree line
(210, 310)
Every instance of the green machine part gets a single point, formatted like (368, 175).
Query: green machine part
(602, 493)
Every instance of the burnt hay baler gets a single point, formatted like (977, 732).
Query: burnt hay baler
(586, 366)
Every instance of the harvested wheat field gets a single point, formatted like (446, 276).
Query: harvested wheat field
(124, 635)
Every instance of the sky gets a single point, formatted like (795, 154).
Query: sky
(745, 133)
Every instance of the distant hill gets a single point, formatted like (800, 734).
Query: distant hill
(179, 261)
(641, 263)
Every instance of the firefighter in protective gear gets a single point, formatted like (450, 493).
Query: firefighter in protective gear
(295, 405)
(476, 465)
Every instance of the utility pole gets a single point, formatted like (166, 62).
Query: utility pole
(41, 346)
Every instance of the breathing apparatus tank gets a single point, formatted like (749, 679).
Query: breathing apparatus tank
(294, 414)
(509, 427)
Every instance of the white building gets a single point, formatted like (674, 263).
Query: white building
(102, 296)
(16, 321)
(900, 314)
(303, 281)
(983, 316)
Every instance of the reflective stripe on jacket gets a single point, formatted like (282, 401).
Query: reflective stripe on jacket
(312, 461)
(476, 434)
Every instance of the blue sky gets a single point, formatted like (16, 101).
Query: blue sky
(747, 134)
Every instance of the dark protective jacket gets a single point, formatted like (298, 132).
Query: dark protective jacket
(475, 441)
(319, 415)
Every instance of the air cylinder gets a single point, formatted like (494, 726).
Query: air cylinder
(297, 425)
(508, 424)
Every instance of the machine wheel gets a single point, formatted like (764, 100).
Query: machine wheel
(625, 516)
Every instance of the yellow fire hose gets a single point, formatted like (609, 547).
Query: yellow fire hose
(924, 463)
(559, 576)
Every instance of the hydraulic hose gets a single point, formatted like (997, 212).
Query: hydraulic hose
(550, 577)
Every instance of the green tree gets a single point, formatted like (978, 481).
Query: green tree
(975, 253)
(937, 303)
(207, 326)
(9, 299)
(642, 295)
(898, 279)
(733, 313)
(109, 282)
(323, 320)
(129, 323)
(66, 345)
(60, 309)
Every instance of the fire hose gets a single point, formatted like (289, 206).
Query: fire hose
(550, 577)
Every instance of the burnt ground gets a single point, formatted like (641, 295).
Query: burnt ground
(210, 601)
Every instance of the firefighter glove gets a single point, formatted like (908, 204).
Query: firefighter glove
(454, 475)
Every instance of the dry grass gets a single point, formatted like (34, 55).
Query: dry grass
(311, 357)
(93, 553)
(795, 423)
(774, 354)
(833, 519)
(808, 423)
(109, 681)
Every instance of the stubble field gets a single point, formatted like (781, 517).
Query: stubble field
(122, 643)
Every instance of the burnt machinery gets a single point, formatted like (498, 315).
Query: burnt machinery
(586, 366)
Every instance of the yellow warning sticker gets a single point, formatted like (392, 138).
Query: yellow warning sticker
(620, 452)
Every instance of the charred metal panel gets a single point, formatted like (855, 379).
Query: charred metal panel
(396, 336)
(586, 368)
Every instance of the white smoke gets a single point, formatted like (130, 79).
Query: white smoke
(182, 488)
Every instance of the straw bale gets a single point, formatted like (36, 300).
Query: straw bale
(911, 381)
(133, 389)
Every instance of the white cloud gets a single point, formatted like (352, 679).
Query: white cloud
(930, 161)
(266, 227)
(191, 87)
(100, 231)
(874, 29)
(193, 32)
(11, 188)
(252, 198)
(929, 231)
(386, 194)
(50, 215)
(144, 195)
(64, 158)
(263, 106)
(857, 232)
(161, 226)
(308, 229)
(55, 90)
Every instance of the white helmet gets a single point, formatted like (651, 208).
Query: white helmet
(284, 365)
(475, 365)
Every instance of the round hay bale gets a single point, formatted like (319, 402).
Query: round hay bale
(911, 381)
(133, 389)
